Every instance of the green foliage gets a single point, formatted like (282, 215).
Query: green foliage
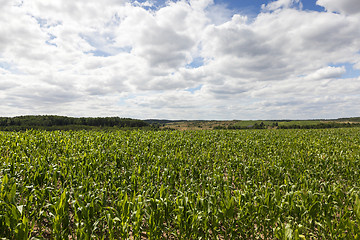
(256, 184)
(49, 122)
(290, 124)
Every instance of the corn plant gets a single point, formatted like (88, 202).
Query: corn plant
(255, 184)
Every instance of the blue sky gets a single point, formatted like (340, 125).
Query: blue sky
(254, 6)
(251, 7)
(183, 59)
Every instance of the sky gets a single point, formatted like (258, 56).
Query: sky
(184, 59)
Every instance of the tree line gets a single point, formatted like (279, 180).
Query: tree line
(275, 125)
(53, 122)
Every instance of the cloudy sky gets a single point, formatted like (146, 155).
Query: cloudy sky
(184, 59)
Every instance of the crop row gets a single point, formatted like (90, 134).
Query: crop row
(256, 184)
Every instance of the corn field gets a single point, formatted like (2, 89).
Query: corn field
(255, 184)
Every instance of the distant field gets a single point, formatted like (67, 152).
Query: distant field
(51, 123)
(201, 125)
(253, 184)
(197, 125)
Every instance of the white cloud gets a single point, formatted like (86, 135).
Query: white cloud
(326, 73)
(277, 5)
(343, 6)
(95, 58)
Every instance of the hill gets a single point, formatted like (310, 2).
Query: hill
(261, 124)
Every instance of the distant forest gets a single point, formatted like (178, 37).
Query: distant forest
(51, 122)
(296, 126)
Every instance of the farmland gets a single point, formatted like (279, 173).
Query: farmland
(260, 124)
(253, 184)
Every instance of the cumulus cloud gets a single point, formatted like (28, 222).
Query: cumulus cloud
(326, 73)
(344, 6)
(276, 5)
(190, 59)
